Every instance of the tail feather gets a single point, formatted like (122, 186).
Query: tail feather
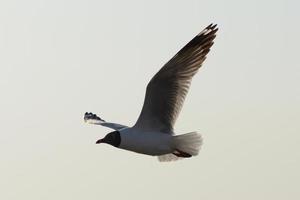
(186, 144)
(168, 158)
(189, 143)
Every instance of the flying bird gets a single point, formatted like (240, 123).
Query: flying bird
(153, 132)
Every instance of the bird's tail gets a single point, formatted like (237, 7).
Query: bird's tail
(186, 145)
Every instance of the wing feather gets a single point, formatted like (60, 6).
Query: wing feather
(167, 90)
(94, 119)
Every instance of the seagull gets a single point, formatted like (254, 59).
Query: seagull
(153, 132)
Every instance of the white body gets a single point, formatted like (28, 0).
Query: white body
(150, 143)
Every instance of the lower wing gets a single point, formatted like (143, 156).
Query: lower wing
(94, 119)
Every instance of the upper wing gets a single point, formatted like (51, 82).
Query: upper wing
(94, 119)
(166, 91)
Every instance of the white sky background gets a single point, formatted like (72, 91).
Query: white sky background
(59, 59)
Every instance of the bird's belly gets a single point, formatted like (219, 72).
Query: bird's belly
(147, 143)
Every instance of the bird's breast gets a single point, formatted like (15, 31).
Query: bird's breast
(150, 143)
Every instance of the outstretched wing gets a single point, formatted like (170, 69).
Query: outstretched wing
(166, 91)
(94, 119)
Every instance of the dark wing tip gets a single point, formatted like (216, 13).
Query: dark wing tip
(207, 35)
(89, 115)
(211, 26)
(209, 30)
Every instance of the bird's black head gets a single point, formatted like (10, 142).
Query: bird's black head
(113, 138)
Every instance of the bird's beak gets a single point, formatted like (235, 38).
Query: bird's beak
(99, 141)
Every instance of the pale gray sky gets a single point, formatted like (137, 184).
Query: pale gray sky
(61, 58)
